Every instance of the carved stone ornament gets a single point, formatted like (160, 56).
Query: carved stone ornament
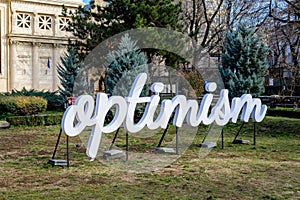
(38, 44)
(23, 20)
(14, 42)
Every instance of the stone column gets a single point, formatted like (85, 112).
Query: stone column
(56, 25)
(13, 21)
(13, 64)
(55, 61)
(35, 25)
(35, 65)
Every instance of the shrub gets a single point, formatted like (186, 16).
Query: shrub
(37, 120)
(54, 100)
(52, 119)
(283, 113)
(22, 105)
(7, 104)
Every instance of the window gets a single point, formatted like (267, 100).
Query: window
(63, 23)
(23, 20)
(45, 22)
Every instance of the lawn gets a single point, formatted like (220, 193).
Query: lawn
(268, 170)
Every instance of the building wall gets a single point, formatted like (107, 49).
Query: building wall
(3, 44)
(32, 40)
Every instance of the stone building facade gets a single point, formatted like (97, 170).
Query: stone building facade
(32, 38)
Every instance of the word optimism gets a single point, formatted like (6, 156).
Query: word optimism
(86, 114)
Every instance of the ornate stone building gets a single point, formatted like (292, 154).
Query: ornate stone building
(33, 37)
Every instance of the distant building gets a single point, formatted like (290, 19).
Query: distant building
(33, 38)
(284, 59)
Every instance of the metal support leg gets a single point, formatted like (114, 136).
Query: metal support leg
(127, 146)
(57, 142)
(163, 136)
(68, 161)
(254, 134)
(61, 163)
(177, 151)
(114, 139)
(239, 131)
(222, 134)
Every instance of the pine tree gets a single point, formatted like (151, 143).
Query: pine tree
(67, 72)
(124, 65)
(244, 62)
(94, 25)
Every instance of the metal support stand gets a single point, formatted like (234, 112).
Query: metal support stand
(114, 153)
(57, 162)
(246, 141)
(160, 149)
(238, 132)
(208, 144)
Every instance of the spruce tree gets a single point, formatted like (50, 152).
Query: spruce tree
(67, 72)
(244, 62)
(123, 65)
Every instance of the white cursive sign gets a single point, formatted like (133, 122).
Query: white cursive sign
(86, 114)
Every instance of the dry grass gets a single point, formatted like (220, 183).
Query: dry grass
(269, 170)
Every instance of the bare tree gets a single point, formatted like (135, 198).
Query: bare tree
(284, 42)
(207, 21)
(285, 11)
(204, 22)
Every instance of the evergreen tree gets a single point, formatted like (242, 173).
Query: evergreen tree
(95, 24)
(67, 72)
(123, 65)
(244, 63)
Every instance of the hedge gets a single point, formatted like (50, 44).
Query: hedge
(35, 120)
(283, 113)
(55, 119)
(22, 105)
(54, 100)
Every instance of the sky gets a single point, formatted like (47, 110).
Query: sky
(86, 1)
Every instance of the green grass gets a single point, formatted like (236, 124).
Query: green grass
(268, 170)
(284, 108)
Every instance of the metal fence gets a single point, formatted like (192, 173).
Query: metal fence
(284, 101)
